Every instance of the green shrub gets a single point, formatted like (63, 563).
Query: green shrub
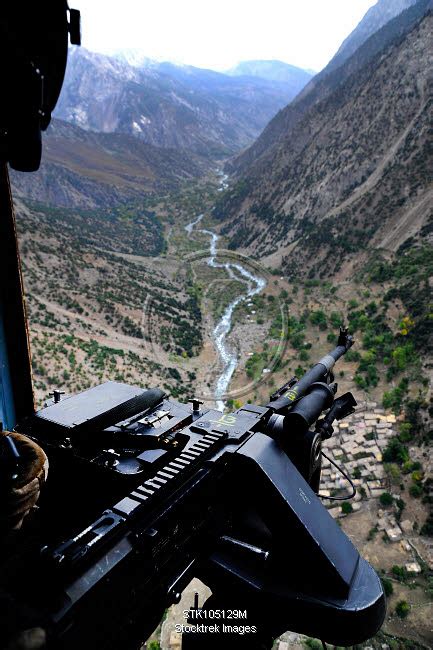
(387, 586)
(402, 609)
(416, 491)
(427, 527)
(386, 499)
(372, 533)
(395, 452)
(319, 318)
(411, 466)
(393, 399)
(336, 319)
(153, 645)
(399, 572)
(346, 508)
(393, 472)
(405, 429)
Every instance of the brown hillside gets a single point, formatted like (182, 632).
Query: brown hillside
(358, 165)
(86, 169)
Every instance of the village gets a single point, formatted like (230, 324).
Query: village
(357, 444)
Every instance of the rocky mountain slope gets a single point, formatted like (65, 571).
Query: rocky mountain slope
(170, 106)
(86, 169)
(375, 18)
(353, 170)
(336, 73)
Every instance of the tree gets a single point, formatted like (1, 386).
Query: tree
(399, 572)
(336, 319)
(395, 452)
(386, 499)
(402, 609)
(319, 318)
(346, 508)
(427, 527)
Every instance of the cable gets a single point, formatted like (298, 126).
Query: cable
(323, 496)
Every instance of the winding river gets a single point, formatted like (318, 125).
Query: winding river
(253, 285)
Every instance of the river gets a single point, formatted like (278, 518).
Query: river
(254, 284)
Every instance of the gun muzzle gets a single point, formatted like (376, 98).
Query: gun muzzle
(319, 373)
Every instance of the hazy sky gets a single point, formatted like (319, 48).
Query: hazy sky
(219, 34)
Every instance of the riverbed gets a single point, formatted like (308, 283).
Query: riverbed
(254, 284)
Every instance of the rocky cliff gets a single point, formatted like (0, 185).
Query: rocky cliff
(354, 170)
(373, 38)
(171, 106)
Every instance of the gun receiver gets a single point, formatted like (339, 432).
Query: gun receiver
(229, 498)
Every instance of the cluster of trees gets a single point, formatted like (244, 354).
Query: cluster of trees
(76, 364)
(382, 346)
(409, 274)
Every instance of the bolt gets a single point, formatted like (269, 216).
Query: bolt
(195, 404)
(57, 395)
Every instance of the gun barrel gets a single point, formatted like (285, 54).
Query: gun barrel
(318, 373)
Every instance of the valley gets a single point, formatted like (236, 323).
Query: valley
(148, 315)
(174, 237)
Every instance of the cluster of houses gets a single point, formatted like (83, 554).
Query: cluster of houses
(357, 445)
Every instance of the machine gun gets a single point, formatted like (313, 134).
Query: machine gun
(177, 491)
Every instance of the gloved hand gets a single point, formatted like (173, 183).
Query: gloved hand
(31, 639)
(20, 492)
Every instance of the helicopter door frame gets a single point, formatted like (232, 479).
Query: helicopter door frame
(16, 390)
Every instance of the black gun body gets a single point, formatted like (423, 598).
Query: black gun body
(157, 553)
(307, 553)
(193, 493)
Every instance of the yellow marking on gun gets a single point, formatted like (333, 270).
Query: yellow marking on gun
(226, 419)
(292, 394)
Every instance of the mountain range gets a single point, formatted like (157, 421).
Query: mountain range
(172, 106)
(348, 163)
(367, 40)
(272, 71)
